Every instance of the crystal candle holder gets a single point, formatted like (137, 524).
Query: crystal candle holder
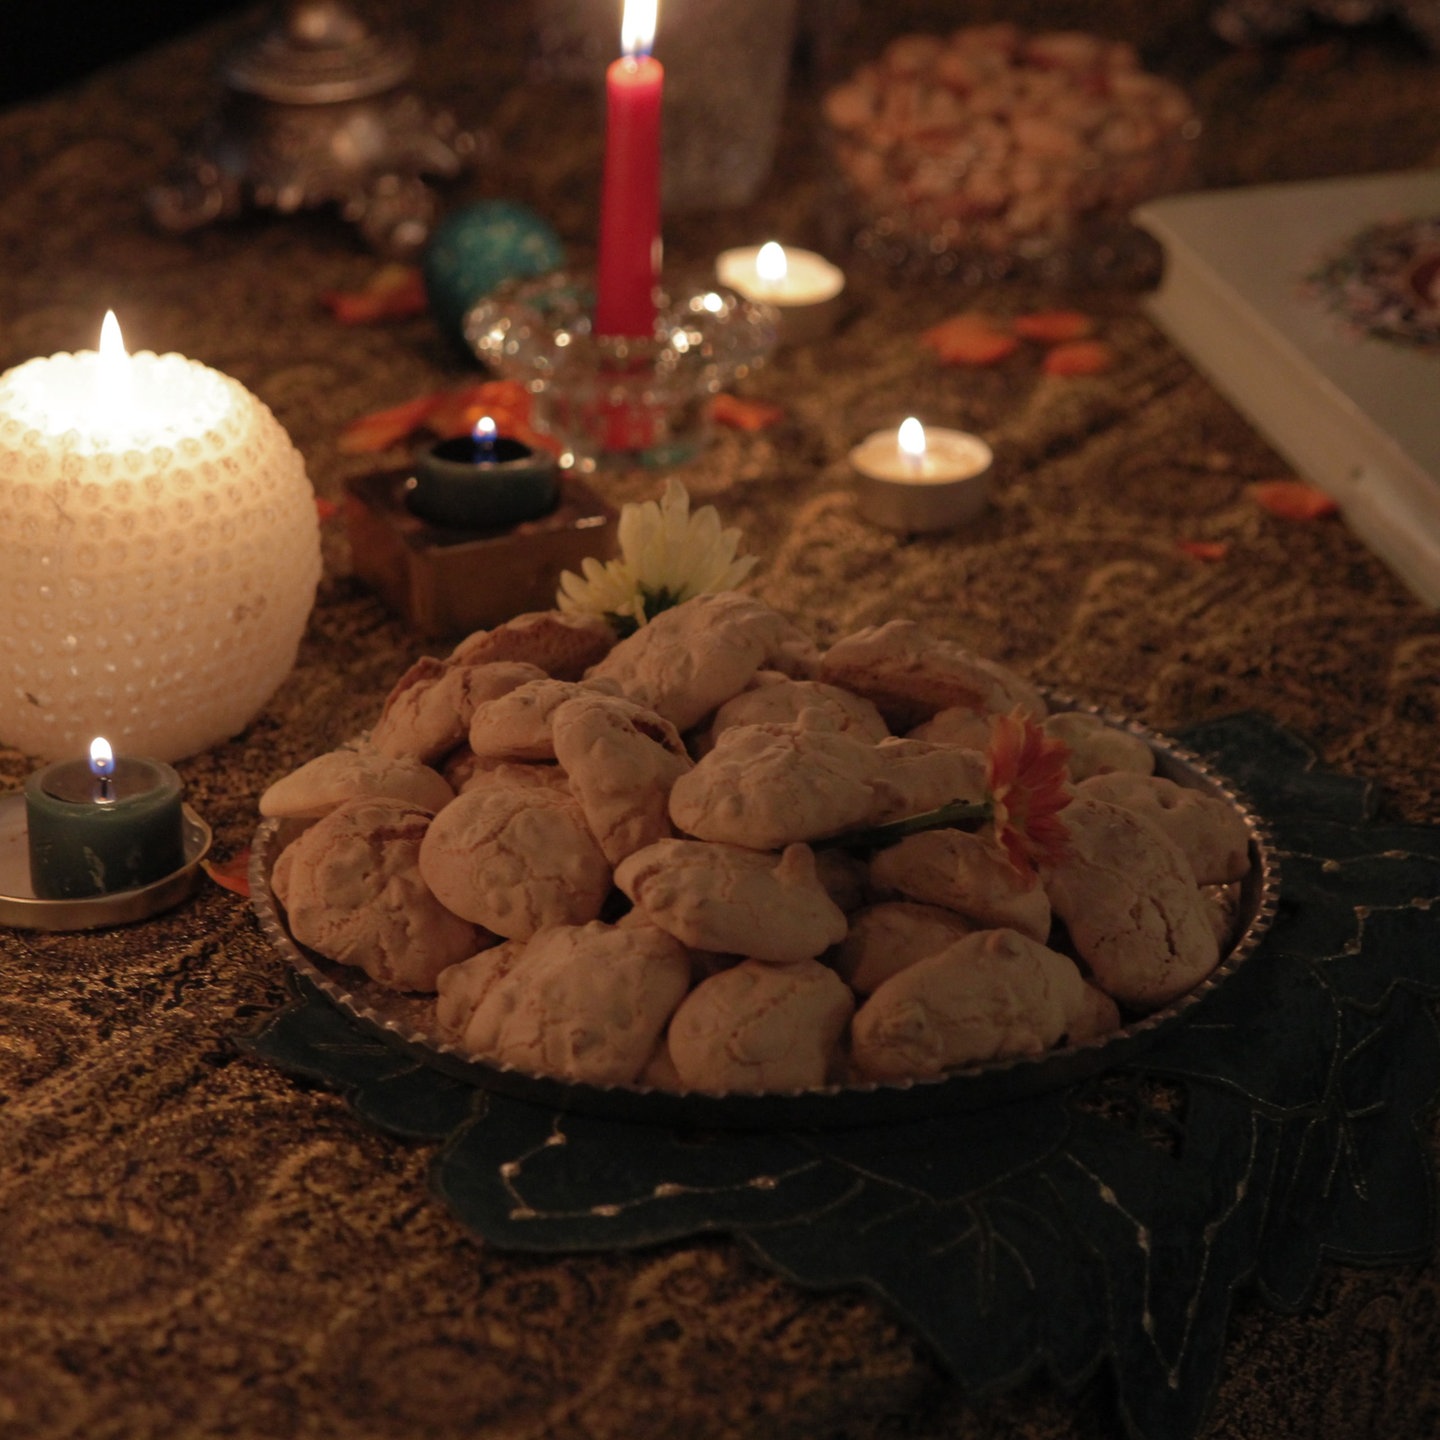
(605, 397)
(161, 554)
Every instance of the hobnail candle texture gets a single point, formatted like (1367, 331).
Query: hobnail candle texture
(161, 553)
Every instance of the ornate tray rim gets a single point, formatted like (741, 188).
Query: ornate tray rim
(833, 1106)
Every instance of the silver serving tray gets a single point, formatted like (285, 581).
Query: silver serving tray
(407, 1022)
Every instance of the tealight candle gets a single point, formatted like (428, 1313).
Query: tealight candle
(161, 553)
(482, 481)
(805, 288)
(915, 479)
(104, 826)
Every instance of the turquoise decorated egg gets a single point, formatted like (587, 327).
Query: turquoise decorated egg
(473, 249)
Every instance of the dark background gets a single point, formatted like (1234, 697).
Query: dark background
(45, 44)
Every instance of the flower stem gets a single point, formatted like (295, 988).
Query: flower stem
(957, 815)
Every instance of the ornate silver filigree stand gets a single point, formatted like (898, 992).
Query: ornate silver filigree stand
(315, 112)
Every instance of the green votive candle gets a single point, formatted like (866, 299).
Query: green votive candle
(482, 481)
(102, 826)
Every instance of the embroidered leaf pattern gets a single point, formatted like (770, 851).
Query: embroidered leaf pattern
(1108, 1223)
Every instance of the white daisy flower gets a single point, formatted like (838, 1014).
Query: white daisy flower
(666, 555)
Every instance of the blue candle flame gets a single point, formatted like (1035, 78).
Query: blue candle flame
(484, 435)
(102, 767)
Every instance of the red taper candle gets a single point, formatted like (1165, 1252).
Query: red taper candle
(630, 199)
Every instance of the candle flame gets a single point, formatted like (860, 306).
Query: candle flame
(112, 342)
(485, 429)
(771, 264)
(102, 757)
(912, 440)
(637, 26)
(113, 372)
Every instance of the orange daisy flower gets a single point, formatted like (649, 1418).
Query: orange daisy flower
(1025, 774)
(1027, 785)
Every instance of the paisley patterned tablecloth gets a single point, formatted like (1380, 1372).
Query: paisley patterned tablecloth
(198, 1242)
(1104, 1226)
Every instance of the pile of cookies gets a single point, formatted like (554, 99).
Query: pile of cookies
(995, 140)
(626, 863)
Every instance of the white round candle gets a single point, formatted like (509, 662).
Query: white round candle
(803, 286)
(161, 554)
(920, 478)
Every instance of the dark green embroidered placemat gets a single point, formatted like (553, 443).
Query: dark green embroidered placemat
(1108, 1224)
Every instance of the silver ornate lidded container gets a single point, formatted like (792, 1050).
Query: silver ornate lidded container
(315, 112)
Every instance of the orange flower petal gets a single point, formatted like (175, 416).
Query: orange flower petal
(506, 402)
(232, 874)
(1078, 357)
(1002, 757)
(394, 292)
(959, 323)
(383, 428)
(1205, 549)
(969, 340)
(1026, 775)
(445, 413)
(731, 410)
(1052, 327)
(1291, 499)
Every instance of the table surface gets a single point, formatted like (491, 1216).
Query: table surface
(196, 1244)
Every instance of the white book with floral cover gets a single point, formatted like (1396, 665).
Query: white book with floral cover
(1315, 307)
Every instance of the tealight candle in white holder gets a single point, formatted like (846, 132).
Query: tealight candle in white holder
(914, 479)
(805, 288)
(161, 553)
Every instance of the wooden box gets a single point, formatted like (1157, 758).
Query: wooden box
(444, 582)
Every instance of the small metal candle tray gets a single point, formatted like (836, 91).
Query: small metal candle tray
(447, 582)
(20, 907)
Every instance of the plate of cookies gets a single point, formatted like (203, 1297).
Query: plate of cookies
(714, 874)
